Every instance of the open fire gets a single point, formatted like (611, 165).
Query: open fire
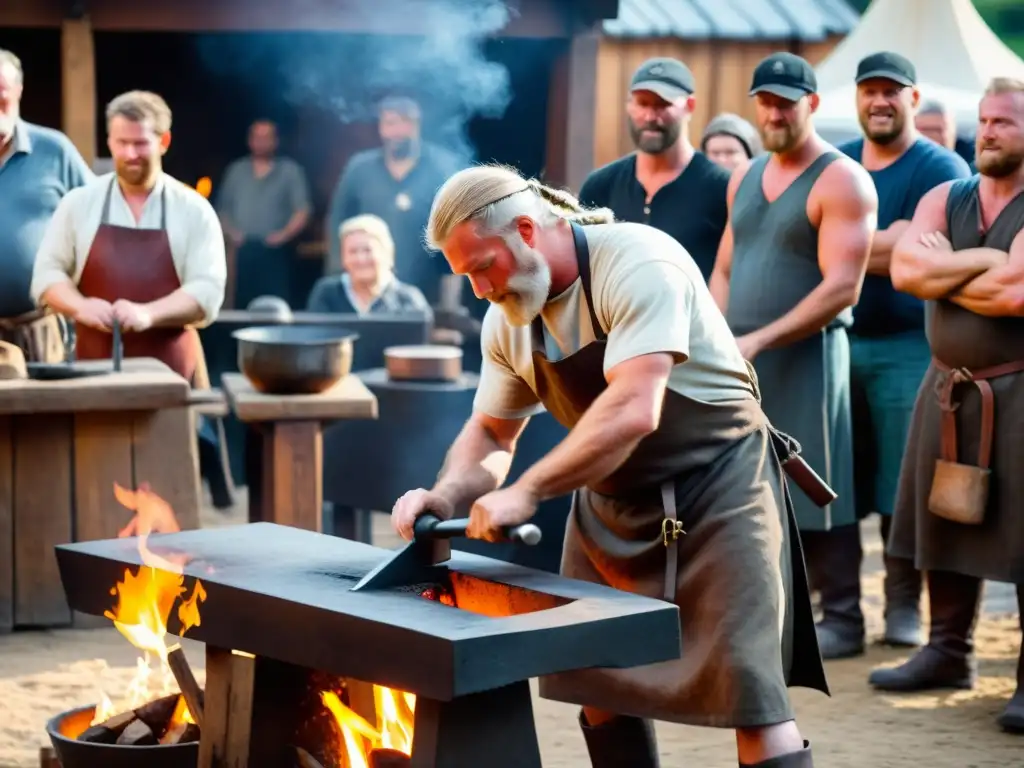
(152, 709)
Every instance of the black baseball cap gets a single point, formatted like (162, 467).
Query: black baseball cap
(890, 66)
(669, 78)
(786, 75)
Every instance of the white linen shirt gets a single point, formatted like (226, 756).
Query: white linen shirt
(193, 229)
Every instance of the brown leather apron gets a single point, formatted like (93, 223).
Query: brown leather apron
(969, 419)
(700, 515)
(137, 265)
(40, 334)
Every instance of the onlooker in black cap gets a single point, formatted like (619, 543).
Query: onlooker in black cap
(666, 183)
(787, 276)
(730, 141)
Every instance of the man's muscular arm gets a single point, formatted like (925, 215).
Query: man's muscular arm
(928, 272)
(999, 291)
(627, 411)
(849, 209)
(479, 460)
(718, 283)
(882, 247)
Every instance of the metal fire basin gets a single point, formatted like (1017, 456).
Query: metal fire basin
(282, 595)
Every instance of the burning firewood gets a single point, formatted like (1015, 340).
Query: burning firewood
(156, 714)
(389, 758)
(181, 733)
(186, 682)
(137, 734)
(109, 730)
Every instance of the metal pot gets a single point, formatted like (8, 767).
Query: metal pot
(63, 728)
(423, 362)
(294, 359)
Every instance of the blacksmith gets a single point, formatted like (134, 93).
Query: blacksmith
(38, 166)
(788, 274)
(958, 510)
(679, 488)
(888, 349)
(135, 247)
(666, 183)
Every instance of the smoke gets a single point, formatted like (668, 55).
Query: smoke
(445, 70)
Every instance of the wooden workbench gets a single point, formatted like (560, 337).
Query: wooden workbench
(63, 445)
(288, 434)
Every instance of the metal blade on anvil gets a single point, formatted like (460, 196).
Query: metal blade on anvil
(415, 563)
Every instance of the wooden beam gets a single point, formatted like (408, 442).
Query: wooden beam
(78, 85)
(572, 112)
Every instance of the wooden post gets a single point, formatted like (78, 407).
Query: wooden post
(227, 712)
(572, 112)
(78, 85)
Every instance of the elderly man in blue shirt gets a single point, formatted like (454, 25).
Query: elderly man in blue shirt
(38, 166)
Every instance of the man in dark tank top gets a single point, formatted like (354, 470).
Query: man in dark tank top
(888, 349)
(666, 183)
(958, 508)
(788, 273)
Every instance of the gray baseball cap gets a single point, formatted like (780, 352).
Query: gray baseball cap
(668, 78)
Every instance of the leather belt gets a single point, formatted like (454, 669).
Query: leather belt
(944, 391)
(671, 530)
(12, 323)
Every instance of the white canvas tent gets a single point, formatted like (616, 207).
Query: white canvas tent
(953, 49)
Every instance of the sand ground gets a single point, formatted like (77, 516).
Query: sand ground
(43, 673)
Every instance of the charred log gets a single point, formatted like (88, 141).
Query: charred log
(137, 734)
(389, 758)
(108, 731)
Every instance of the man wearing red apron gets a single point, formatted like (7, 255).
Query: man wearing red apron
(680, 493)
(135, 248)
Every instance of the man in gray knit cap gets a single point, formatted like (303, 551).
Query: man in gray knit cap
(730, 141)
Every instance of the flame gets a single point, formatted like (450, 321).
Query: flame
(395, 717)
(144, 603)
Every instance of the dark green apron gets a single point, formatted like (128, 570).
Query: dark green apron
(700, 515)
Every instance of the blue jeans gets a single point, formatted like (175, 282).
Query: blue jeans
(885, 376)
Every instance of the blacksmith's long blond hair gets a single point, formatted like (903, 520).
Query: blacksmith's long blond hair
(497, 195)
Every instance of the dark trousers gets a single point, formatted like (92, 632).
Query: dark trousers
(263, 270)
(833, 564)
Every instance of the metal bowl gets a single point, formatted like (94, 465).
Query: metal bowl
(294, 359)
(63, 729)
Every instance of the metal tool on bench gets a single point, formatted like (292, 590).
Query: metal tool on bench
(74, 369)
(418, 561)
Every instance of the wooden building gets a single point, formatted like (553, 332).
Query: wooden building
(720, 40)
(564, 52)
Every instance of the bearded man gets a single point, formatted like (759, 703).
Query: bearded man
(790, 270)
(135, 248)
(666, 183)
(888, 355)
(678, 475)
(958, 511)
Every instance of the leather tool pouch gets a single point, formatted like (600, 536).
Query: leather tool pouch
(959, 492)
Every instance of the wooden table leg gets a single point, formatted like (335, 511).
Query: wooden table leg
(293, 461)
(227, 709)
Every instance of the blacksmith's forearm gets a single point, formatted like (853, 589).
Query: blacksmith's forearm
(175, 310)
(813, 314)
(930, 273)
(63, 298)
(598, 445)
(998, 292)
(476, 464)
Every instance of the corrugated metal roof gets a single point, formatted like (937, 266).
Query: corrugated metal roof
(806, 20)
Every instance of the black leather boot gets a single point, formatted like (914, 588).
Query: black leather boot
(902, 596)
(841, 629)
(1012, 718)
(622, 742)
(947, 661)
(801, 759)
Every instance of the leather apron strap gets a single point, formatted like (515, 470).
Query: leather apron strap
(671, 530)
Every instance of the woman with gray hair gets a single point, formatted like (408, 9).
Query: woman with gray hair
(368, 284)
(677, 474)
(730, 141)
